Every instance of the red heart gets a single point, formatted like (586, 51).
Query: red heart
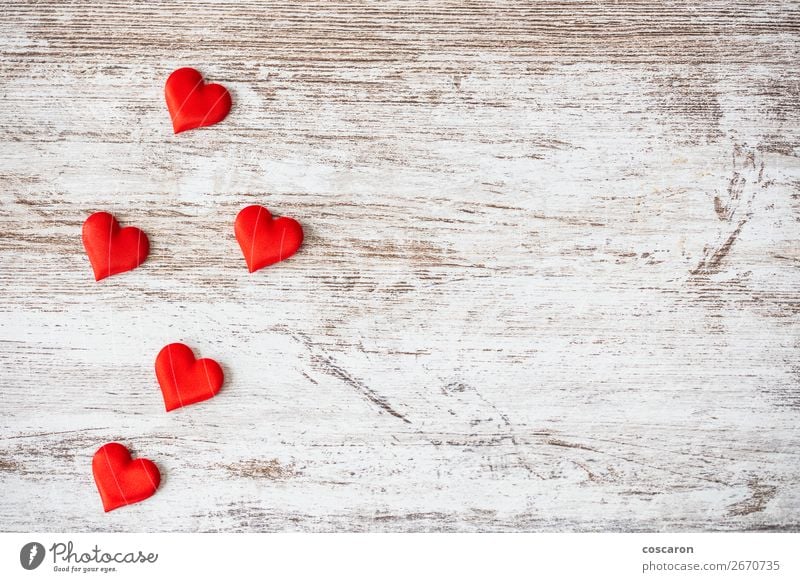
(265, 240)
(192, 103)
(185, 380)
(121, 480)
(112, 249)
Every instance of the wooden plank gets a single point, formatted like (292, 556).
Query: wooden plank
(550, 279)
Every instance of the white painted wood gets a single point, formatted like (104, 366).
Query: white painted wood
(550, 279)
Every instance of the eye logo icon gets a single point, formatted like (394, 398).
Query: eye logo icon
(31, 555)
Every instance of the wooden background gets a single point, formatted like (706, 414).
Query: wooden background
(550, 279)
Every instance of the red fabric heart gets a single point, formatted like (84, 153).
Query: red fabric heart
(122, 480)
(265, 240)
(192, 103)
(112, 249)
(185, 380)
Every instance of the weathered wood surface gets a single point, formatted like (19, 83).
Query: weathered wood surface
(550, 279)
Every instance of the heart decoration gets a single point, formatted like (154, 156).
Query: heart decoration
(192, 103)
(122, 480)
(265, 240)
(185, 380)
(112, 249)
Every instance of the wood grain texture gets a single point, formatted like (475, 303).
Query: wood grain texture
(550, 279)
